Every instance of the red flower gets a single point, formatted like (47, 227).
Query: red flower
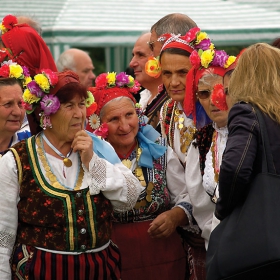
(219, 98)
(101, 80)
(5, 71)
(195, 59)
(3, 54)
(9, 21)
(91, 109)
(191, 35)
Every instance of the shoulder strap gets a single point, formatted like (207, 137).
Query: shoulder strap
(267, 162)
(19, 166)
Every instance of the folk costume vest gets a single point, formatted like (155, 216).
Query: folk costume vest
(55, 217)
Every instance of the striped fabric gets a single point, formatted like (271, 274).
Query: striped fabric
(31, 263)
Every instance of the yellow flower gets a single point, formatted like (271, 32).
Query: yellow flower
(15, 71)
(3, 29)
(90, 99)
(201, 36)
(27, 80)
(42, 81)
(131, 81)
(30, 98)
(207, 57)
(152, 67)
(229, 61)
(211, 47)
(111, 78)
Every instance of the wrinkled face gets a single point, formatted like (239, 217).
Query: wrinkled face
(204, 93)
(84, 69)
(11, 110)
(122, 120)
(226, 83)
(140, 54)
(174, 69)
(155, 46)
(69, 119)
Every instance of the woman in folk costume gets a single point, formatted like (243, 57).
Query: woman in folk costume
(204, 82)
(22, 44)
(57, 195)
(177, 126)
(146, 235)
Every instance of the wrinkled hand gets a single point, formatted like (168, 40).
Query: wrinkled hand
(84, 145)
(167, 222)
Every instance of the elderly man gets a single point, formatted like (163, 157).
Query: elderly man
(152, 97)
(12, 128)
(78, 61)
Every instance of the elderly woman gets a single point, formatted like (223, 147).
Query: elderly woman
(57, 194)
(146, 235)
(204, 157)
(12, 125)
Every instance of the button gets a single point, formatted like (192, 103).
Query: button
(78, 194)
(83, 231)
(83, 247)
(80, 212)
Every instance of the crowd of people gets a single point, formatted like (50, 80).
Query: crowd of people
(96, 185)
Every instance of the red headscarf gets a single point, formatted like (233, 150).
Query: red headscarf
(176, 42)
(192, 79)
(27, 47)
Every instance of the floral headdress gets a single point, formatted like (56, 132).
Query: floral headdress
(204, 57)
(107, 87)
(194, 39)
(10, 69)
(40, 92)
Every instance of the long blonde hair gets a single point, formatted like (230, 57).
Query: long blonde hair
(256, 79)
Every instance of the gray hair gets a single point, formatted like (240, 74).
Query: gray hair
(173, 23)
(101, 114)
(66, 61)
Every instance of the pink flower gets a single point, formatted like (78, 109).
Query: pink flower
(35, 89)
(101, 80)
(220, 58)
(135, 88)
(26, 106)
(102, 131)
(204, 44)
(50, 104)
(195, 59)
(122, 79)
(191, 35)
(25, 71)
(52, 76)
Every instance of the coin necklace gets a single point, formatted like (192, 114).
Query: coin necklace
(66, 160)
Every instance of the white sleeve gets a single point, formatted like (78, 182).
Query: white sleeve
(203, 207)
(176, 184)
(116, 182)
(9, 197)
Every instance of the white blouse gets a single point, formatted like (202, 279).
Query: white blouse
(116, 182)
(199, 187)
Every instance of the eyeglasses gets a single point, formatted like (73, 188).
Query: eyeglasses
(151, 45)
(203, 94)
